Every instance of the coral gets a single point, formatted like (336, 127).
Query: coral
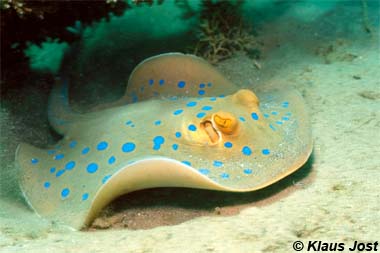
(47, 57)
(222, 31)
(39, 8)
(17, 5)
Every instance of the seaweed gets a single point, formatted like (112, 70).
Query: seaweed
(222, 31)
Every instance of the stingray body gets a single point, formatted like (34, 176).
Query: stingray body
(180, 124)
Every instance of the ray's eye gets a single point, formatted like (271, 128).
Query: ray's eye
(225, 122)
(222, 122)
(219, 124)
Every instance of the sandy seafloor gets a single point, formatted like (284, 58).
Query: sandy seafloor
(336, 67)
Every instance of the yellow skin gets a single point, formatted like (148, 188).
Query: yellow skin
(222, 138)
(225, 123)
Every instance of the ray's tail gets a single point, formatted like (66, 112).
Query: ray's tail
(59, 113)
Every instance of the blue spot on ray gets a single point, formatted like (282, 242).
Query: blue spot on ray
(157, 122)
(246, 150)
(228, 144)
(85, 150)
(73, 144)
(111, 160)
(157, 142)
(192, 127)
(102, 145)
(105, 179)
(207, 108)
(178, 134)
(85, 196)
(213, 99)
(254, 116)
(151, 81)
(70, 165)
(52, 170)
(265, 151)
(159, 139)
(181, 84)
(128, 147)
(201, 115)
(242, 119)
(202, 85)
(247, 171)
(65, 192)
(175, 147)
(218, 163)
(161, 82)
(177, 112)
(204, 171)
(201, 92)
(209, 84)
(186, 162)
(224, 175)
(59, 173)
(285, 118)
(92, 168)
(34, 160)
(58, 157)
(274, 113)
(191, 104)
(47, 184)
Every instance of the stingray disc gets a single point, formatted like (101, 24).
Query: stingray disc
(180, 124)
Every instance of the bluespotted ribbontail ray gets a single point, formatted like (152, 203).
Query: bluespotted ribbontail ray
(180, 124)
